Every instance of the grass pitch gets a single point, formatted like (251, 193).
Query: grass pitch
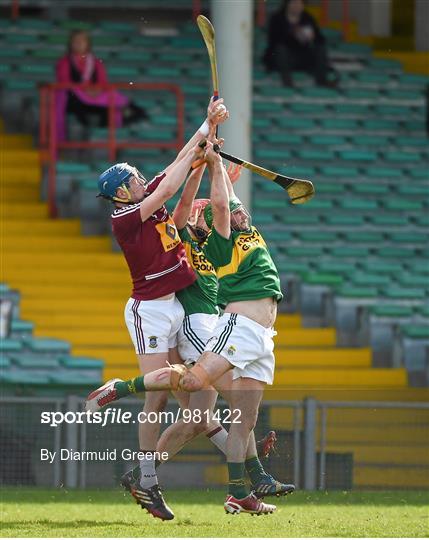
(199, 513)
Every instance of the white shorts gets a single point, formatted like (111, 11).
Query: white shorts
(196, 330)
(154, 324)
(247, 345)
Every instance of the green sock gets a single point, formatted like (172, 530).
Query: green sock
(236, 486)
(254, 469)
(133, 386)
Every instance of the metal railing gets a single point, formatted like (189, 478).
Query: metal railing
(50, 145)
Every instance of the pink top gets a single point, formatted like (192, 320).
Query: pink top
(63, 68)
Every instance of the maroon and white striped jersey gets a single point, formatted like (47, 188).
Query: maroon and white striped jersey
(153, 250)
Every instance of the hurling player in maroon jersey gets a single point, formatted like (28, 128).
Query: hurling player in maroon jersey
(158, 266)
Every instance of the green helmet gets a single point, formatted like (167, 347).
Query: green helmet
(234, 204)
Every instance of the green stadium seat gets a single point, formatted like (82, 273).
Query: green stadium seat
(27, 378)
(331, 280)
(336, 267)
(402, 94)
(34, 24)
(299, 171)
(364, 237)
(164, 120)
(47, 346)
(347, 291)
(327, 140)
(339, 172)
(339, 124)
(262, 218)
(361, 93)
(319, 204)
(299, 252)
(266, 106)
(319, 92)
(20, 328)
(5, 68)
(20, 85)
(378, 124)
(415, 331)
(266, 187)
(416, 124)
(292, 267)
(277, 236)
(34, 362)
(358, 155)
(72, 167)
(67, 379)
(330, 188)
(407, 280)
(311, 154)
(402, 205)
(392, 110)
(358, 204)
(424, 310)
(407, 190)
(422, 220)
(317, 237)
(71, 24)
(293, 218)
(81, 362)
(389, 220)
(284, 138)
(372, 77)
(344, 219)
(18, 54)
(261, 123)
(408, 237)
(123, 72)
(163, 72)
(419, 174)
(129, 56)
(269, 204)
(10, 345)
(276, 91)
(349, 252)
(110, 41)
(395, 293)
(18, 39)
(354, 109)
(369, 280)
(418, 267)
(416, 142)
(370, 141)
(382, 267)
(295, 123)
(392, 252)
(313, 109)
(383, 64)
(272, 154)
(4, 363)
(383, 172)
(371, 189)
(117, 27)
(413, 79)
(394, 311)
(50, 54)
(402, 157)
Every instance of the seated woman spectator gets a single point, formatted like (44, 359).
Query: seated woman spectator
(80, 65)
(295, 43)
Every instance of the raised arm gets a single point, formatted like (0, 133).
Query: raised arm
(175, 176)
(183, 208)
(219, 196)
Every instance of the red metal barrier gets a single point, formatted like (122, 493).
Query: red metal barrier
(261, 13)
(345, 16)
(48, 126)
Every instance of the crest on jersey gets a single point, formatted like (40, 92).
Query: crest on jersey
(170, 231)
(153, 342)
(231, 350)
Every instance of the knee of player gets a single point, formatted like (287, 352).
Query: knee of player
(248, 419)
(157, 401)
(191, 383)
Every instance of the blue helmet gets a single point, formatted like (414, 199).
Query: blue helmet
(114, 177)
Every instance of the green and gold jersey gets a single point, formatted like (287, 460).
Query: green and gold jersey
(251, 273)
(201, 296)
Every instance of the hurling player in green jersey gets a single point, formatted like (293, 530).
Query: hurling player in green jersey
(242, 342)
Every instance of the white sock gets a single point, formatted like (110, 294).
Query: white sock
(148, 476)
(218, 437)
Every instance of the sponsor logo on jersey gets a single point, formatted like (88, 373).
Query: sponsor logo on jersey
(153, 342)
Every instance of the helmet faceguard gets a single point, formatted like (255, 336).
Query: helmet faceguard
(240, 220)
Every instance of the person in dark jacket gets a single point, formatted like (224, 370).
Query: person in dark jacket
(295, 43)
